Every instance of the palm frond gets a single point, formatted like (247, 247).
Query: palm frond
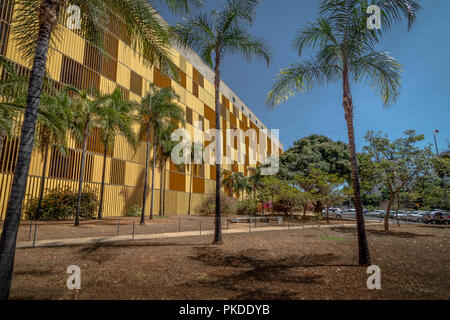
(381, 71)
(239, 41)
(301, 77)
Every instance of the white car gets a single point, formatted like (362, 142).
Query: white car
(415, 216)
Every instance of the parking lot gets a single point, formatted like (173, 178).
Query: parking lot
(402, 216)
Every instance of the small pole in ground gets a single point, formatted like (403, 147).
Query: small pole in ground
(228, 227)
(29, 233)
(255, 223)
(133, 230)
(118, 227)
(179, 225)
(289, 223)
(250, 226)
(200, 227)
(35, 231)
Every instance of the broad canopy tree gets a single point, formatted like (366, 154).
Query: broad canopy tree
(397, 163)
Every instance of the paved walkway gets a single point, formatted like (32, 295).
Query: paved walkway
(84, 241)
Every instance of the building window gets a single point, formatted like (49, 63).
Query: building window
(160, 79)
(189, 115)
(117, 172)
(8, 156)
(136, 83)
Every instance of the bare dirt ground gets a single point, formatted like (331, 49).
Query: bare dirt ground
(291, 264)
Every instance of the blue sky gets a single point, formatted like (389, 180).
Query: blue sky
(424, 104)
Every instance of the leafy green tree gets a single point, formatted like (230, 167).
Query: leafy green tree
(213, 36)
(317, 152)
(35, 26)
(346, 51)
(157, 112)
(115, 117)
(398, 162)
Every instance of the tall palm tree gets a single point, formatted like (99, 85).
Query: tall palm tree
(54, 118)
(157, 111)
(35, 25)
(115, 118)
(167, 146)
(88, 112)
(346, 52)
(213, 36)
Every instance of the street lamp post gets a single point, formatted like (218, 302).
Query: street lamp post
(435, 141)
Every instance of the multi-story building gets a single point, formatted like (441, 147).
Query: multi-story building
(75, 61)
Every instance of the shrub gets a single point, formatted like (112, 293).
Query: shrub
(208, 205)
(61, 204)
(134, 211)
(247, 207)
(287, 200)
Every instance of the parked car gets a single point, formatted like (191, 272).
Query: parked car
(428, 218)
(400, 215)
(415, 216)
(331, 210)
(376, 213)
(441, 218)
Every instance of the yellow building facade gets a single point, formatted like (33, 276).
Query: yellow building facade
(75, 61)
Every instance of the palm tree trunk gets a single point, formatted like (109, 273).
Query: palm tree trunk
(49, 14)
(164, 189)
(102, 185)
(190, 188)
(218, 219)
(41, 190)
(161, 189)
(144, 195)
(364, 256)
(81, 178)
(153, 181)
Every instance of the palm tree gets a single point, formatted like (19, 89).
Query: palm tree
(13, 89)
(196, 148)
(346, 52)
(157, 111)
(213, 36)
(55, 116)
(115, 118)
(35, 26)
(87, 115)
(167, 146)
(236, 182)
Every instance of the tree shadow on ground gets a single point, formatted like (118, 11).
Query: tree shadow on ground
(256, 275)
(398, 234)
